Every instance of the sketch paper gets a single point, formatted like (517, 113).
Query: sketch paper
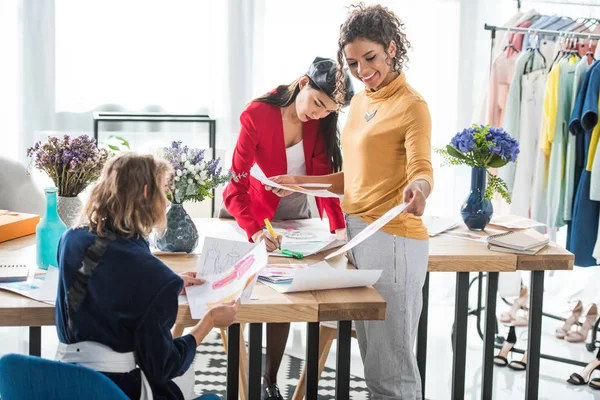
(322, 276)
(307, 248)
(42, 287)
(304, 230)
(219, 255)
(257, 173)
(369, 230)
(235, 283)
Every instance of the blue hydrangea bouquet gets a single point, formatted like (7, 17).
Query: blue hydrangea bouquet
(483, 147)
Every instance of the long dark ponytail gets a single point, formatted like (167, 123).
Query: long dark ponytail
(285, 95)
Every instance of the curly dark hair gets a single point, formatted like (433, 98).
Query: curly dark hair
(377, 24)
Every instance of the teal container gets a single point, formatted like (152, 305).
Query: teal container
(48, 232)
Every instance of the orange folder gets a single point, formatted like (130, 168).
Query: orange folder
(15, 225)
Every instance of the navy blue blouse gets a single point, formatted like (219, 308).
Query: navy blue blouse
(131, 306)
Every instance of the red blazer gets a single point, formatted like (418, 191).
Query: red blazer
(261, 141)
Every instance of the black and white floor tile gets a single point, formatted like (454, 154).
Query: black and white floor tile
(211, 373)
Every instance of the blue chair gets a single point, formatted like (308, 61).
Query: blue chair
(26, 377)
(33, 378)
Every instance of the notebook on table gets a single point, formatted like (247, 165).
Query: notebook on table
(529, 252)
(518, 240)
(13, 272)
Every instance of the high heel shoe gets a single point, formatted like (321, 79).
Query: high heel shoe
(519, 303)
(595, 383)
(584, 378)
(582, 334)
(572, 320)
(501, 358)
(519, 365)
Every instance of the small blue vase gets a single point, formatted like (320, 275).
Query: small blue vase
(181, 234)
(477, 211)
(48, 232)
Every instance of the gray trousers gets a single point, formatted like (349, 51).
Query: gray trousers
(387, 347)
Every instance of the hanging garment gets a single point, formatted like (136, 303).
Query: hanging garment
(481, 112)
(503, 70)
(556, 181)
(533, 85)
(523, 106)
(580, 71)
(539, 204)
(516, 39)
(586, 212)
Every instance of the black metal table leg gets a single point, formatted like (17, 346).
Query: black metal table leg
(342, 376)
(489, 336)
(535, 331)
(35, 341)
(312, 360)
(460, 335)
(255, 361)
(212, 139)
(422, 335)
(233, 361)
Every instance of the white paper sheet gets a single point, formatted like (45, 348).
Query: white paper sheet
(235, 283)
(514, 222)
(41, 287)
(257, 173)
(436, 225)
(369, 230)
(322, 276)
(465, 236)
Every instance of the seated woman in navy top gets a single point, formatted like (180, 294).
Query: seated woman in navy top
(121, 326)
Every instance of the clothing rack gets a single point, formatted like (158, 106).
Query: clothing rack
(591, 346)
(561, 2)
(566, 34)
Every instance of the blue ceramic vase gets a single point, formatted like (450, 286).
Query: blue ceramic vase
(181, 234)
(476, 211)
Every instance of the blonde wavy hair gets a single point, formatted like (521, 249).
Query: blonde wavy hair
(130, 198)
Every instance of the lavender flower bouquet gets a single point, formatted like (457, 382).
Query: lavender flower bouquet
(194, 177)
(483, 147)
(72, 164)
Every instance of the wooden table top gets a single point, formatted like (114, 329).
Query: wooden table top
(446, 254)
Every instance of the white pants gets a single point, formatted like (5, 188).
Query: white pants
(386, 347)
(102, 358)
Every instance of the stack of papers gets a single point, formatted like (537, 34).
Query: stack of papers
(514, 222)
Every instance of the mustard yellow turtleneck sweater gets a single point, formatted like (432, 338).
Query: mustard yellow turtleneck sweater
(384, 154)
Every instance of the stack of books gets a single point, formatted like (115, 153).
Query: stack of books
(528, 242)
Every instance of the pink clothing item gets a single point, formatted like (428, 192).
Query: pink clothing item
(501, 76)
(516, 39)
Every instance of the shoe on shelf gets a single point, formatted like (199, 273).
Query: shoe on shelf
(569, 322)
(583, 379)
(519, 365)
(520, 303)
(582, 333)
(271, 392)
(501, 359)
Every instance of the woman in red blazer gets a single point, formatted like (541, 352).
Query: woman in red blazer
(293, 128)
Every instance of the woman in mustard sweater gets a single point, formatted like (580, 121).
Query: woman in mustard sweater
(386, 145)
